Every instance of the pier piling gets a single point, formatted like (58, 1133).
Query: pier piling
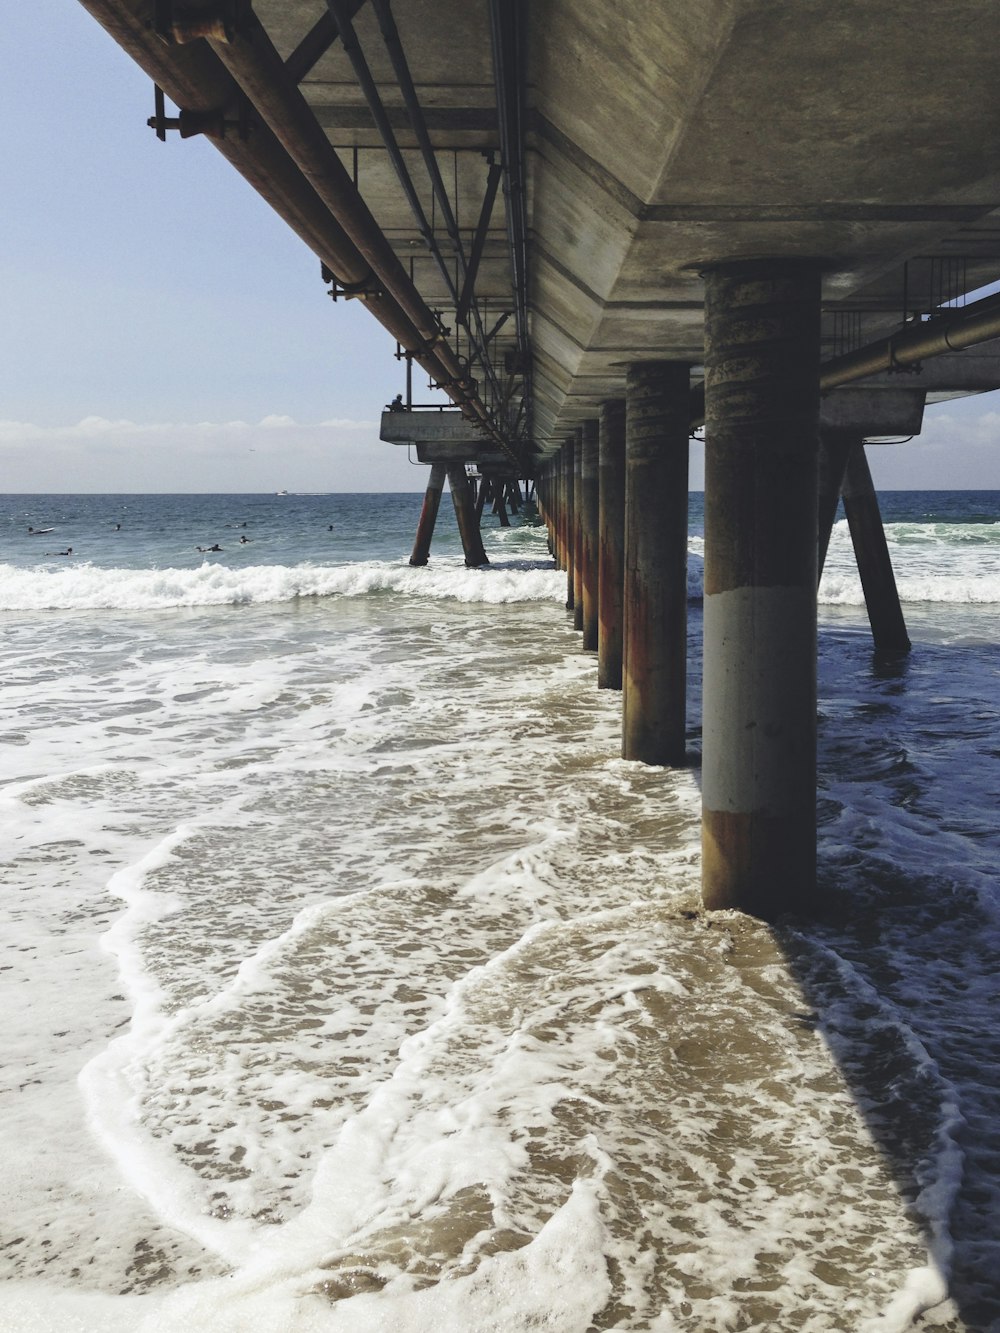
(428, 515)
(611, 544)
(461, 496)
(578, 529)
(759, 734)
(589, 520)
(569, 524)
(654, 660)
(872, 554)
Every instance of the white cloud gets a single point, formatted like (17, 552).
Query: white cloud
(103, 454)
(94, 427)
(957, 449)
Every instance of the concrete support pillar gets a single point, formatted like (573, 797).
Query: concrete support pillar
(589, 519)
(834, 449)
(559, 495)
(544, 494)
(428, 515)
(759, 735)
(569, 525)
(578, 530)
(611, 544)
(654, 657)
(874, 565)
(468, 527)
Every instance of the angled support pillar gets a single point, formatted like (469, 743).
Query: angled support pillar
(428, 515)
(654, 665)
(874, 565)
(589, 519)
(834, 450)
(578, 521)
(759, 734)
(611, 544)
(481, 496)
(461, 497)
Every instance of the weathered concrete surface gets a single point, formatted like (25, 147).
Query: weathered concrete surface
(881, 411)
(611, 544)
(589, 531)
(436, 427)
(457, 451)
(759, 684)
(654, 641)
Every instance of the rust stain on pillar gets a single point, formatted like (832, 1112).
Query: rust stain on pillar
(428, 515)
(465, 512)
(762, 417)
(611, 544)
(654, 637)
(864, 518)
(589, 519)
(578, 529)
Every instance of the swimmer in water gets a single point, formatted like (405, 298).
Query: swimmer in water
(244, 541)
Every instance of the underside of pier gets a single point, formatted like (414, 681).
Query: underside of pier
(597, 228)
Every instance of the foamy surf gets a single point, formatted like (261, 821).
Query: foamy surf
(86, 587)
(410, 1016)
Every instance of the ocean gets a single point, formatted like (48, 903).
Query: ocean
(352, 981)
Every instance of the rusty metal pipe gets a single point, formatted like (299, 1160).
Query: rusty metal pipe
(976, 323)
(255, 65)
(196, 79)
(973, 324)
(193, 78)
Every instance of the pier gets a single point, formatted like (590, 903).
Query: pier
(598, 231)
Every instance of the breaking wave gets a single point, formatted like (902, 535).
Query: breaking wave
(88, 587)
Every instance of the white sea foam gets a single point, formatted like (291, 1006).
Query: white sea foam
(411, 1018)
(957, 564)
(89, 587)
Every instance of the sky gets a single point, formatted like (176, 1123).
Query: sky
(163, 330)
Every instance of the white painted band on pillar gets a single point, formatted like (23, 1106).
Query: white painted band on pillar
(760, 728)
